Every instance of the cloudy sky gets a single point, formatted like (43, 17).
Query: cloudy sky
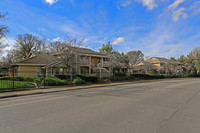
(163, 28)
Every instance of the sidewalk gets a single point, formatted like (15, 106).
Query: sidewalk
(62, 89)
(56, 89)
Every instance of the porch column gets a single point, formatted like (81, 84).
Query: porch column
(102, 62)
(90, 65)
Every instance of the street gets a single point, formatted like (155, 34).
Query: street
(166, 106)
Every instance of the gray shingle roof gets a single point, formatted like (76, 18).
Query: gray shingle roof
(39, 58)
(161, 60)
(145, 66)
(83, 51)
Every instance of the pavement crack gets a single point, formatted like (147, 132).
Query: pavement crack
(175, 112)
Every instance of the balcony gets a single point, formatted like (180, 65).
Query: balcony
(105, 64)
(84, 62)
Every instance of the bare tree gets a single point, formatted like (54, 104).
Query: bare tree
(55, 47)
(3, 32)
(11, 56)
(119, 61)
(70, 54)
(194, 58)
(135, 57)
(26, 43)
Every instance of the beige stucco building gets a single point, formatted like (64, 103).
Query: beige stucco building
(44, 63)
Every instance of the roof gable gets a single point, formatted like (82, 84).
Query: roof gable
(35, 57)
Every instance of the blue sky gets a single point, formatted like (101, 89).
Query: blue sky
(162, 28)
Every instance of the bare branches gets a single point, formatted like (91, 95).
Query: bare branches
(3, 32)
(135, 57)
(3, 28)
(28, 42)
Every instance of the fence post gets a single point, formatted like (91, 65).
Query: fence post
(13, 78)
(44, 76)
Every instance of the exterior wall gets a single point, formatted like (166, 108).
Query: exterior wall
(157, 64)
(94, 61)
(53, 71)
(86, 69)
(28, 71)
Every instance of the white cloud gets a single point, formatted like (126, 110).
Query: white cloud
(3, 40)
(176, 15)
(126, 3)
(195, 8)
(176, 12)
(150, 4)
(118, 40)
(167, 42)
(175, 4)
(56, 39)
(50, 2)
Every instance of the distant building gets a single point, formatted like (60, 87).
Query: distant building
(157, 65)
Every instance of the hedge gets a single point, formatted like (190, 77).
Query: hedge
(53, 81)
(88, 78)
(78, 81)
(194, 75)
(120, 74)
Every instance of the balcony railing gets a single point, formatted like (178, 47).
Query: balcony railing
(84, 62)
(105, 64)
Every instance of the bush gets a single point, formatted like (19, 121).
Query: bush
(38, 82)
(54, 81)
(19, 78)
(78, 81)
(31, 79)
(120, 74)
(88, 78)
(146, 76)
(194, 75)
(63, 76)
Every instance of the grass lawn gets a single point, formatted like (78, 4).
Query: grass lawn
(7, 84)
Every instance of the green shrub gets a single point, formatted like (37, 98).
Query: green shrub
(31, 79)
(91, 78)
(63, 76)
(78, 81)
(38, 82)
(88, 78)
(146, 76)
(120, 74)
(19, 78)
(116, 78)
(28, 79)
(194, 75)
(53, 81)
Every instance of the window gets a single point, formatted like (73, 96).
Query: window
(57, 71)
(99, 60)
(61, 71)
(135, 72)
(83, 71)
(83, 58)
(16, 71)
(105, 59)
(38, 72)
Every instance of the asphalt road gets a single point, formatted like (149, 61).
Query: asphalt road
(171, 106)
